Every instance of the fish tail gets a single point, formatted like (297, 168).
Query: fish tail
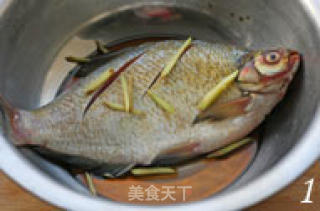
(5, 107)
(9, 121)
(6, 111)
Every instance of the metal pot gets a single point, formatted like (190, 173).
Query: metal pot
(33, 32)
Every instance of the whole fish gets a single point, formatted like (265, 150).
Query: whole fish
(124, 139)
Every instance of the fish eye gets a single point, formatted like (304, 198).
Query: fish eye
(270, 63)
(272, 57)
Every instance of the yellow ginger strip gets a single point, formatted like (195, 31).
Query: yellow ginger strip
(160, 102)
(152, 171)
(119, 107)
(137, 112)
(215, 92)
(90, 184)
(98, 82)
(127, 91)
(114, 106)
(77, 59)
(130, 92)
(230, 148)
(175, 58)
(100, 47)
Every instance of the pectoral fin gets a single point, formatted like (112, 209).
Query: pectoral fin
(225, 110)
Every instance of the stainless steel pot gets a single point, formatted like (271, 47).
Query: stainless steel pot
(33, 32)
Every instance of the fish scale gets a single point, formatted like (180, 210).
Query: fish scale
(173, 89)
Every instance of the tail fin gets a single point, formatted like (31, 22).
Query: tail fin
(5, 105)
(10, 124)
(6, 111)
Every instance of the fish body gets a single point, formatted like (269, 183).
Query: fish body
(115, 137)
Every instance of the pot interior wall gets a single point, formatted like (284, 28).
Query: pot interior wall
(33, 32)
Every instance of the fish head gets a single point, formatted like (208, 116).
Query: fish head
(268, 71)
